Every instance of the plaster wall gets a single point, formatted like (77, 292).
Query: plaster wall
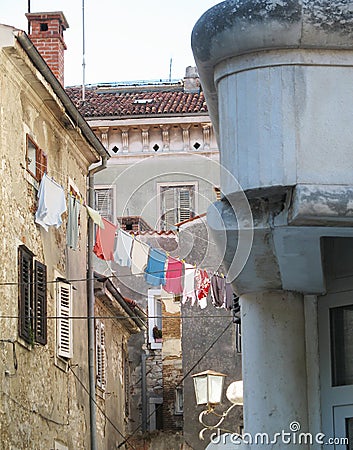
(112, 400)
(41, 399)
(137, 191)
(208, 336)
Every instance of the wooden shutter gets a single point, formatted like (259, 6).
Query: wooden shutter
(40, 303)
(184, 204)
(64, 321)
(177, 205)
(169, 208)
(126, 383)
(104, 203)
(25, 298)
(100, 355)
(41, 164)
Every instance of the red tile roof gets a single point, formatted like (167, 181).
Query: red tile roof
(108, 102)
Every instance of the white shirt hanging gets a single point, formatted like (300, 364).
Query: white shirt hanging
(51, 203)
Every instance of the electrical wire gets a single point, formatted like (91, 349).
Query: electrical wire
(204, 354)
(207, 317)
(137, 428)
(76, 280)
(187, 374)
(126, 440)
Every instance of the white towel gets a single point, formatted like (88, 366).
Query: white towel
(122, 253)
(189, 284)
(51, 203)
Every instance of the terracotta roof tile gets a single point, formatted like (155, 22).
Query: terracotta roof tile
(109, 102)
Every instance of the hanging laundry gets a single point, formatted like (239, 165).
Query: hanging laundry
(139, 257)
(174, 276)
(202, 287)
(122, 253)
(230, 296)
(95, 216)
(155, 270)
(51, 203)
(73, 230)
(203, 303)
(218, 291)
(189, 284)
(104, 245)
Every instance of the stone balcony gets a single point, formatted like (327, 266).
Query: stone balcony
(278, 78)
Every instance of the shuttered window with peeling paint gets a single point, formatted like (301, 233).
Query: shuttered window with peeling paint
(177, 205)
(104, 202)
(32, 299)
(100, 355)
(64, 321)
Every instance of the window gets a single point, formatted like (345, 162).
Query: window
(104, 201)
(238, 337)
(154, 318)
(100, 355)
(32, 298)
(341, 322)
(179, 400)
(64, 322)
(177, 203)
(36, 160)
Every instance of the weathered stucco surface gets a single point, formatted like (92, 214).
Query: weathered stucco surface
(41, 398)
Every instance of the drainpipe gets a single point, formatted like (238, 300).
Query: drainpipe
(90, 306)
(143, 392)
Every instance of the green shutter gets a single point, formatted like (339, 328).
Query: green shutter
(25, 298)
(40, 303)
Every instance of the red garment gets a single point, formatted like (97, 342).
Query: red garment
(203, 284)
(104, 246)
(174, 276)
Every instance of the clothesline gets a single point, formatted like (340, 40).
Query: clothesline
(161, 269)
(112, 244)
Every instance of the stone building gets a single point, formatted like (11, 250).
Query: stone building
(163, 171)
(44, 367)
(277, 77)
(51, 345)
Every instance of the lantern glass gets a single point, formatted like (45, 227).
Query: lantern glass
(215, 389)
(200, 385)
(208, 387)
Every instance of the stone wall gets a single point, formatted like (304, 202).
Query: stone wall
(43, 396)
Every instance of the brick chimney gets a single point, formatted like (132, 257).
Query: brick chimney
(46, 33)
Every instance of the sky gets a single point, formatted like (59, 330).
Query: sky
(125, 40)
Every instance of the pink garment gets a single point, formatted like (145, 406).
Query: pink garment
(104, 246)
(174, 276)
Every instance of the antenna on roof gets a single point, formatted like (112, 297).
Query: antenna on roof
(83, 53)
(170, 69)
(29, 10)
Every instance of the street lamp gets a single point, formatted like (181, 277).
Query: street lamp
(208, 387)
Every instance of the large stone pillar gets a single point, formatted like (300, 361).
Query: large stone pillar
(274, 368)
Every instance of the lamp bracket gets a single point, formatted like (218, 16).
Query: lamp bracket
(209, 411)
